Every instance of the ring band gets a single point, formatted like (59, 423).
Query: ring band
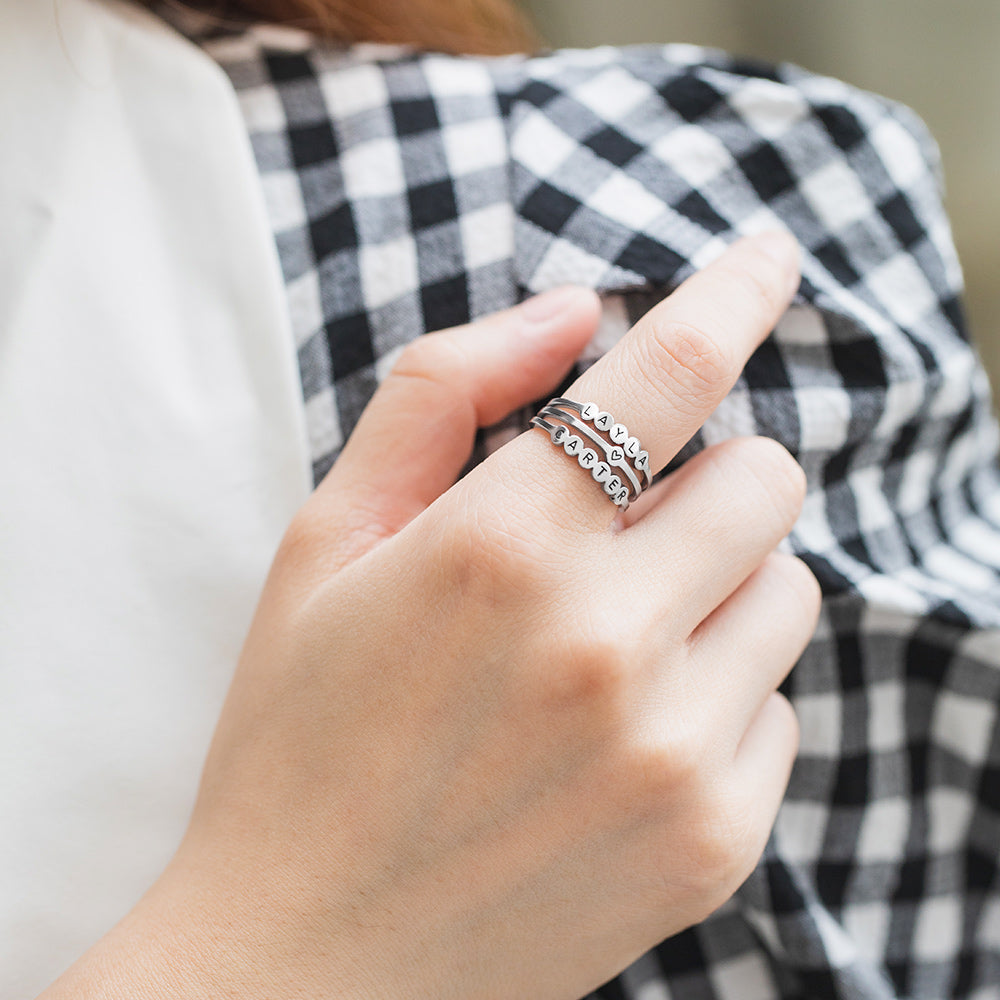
(559, 434)
(603, 421)
(622, 450)
(614, 453)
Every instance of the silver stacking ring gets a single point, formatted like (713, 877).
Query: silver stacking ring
(561, 435)
(614, 453)
(603, 421)
(621, 451)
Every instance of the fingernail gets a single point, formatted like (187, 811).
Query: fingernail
(782, 247)
(546, 306)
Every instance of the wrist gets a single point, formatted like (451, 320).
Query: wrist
(199, 938)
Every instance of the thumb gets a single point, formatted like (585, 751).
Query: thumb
(418, 430)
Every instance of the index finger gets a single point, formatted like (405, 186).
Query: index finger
(664, 378)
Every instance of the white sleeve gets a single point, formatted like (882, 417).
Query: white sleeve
(152, 451)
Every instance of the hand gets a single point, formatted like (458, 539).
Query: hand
(486, 739)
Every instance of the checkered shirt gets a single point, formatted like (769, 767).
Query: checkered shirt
(412, 191)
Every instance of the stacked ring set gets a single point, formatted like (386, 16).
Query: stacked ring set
(617, 463)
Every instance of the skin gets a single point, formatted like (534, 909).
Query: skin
(488, 738)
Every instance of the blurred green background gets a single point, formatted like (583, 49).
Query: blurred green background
(942, 57)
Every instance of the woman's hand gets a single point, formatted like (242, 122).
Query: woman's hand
(486, 739)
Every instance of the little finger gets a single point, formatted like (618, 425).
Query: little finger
(763, 765)
(748, 646)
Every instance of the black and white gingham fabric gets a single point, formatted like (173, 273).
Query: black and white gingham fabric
(413, 191)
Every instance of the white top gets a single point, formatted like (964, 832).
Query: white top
(152, 451)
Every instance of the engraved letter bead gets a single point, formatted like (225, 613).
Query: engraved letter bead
(615, 459)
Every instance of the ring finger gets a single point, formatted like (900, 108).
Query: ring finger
(664, 378)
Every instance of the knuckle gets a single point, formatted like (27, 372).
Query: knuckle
(725, 829)
(735, 825)
(790, 586)
(758, 288)
(775, 473)
(677, 766)
(593, 673)
(427, 357)
(327, 532)
(797, 578)
(726, 843)
(776, 465)
(492, 555)
(688, 361)
(720, 840)
(306, 555)
(787, 721)
(436, 360)
(303, 537)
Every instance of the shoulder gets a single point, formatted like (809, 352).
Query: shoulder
(684, 144)
(675, 143)
(634, 85)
